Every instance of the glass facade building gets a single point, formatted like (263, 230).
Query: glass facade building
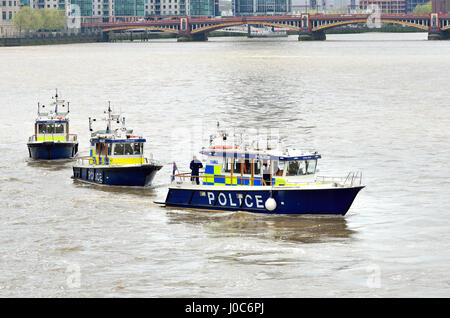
(411, 4)
(201, 7)
(86, 7)
(261, 7)
(129, 7)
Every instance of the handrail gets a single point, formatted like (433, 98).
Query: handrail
(352, 178)
(184, 175)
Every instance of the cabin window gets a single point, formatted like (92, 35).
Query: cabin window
(296, 168)
(128, 149)
(109, 147)
(226, 164)
(41, 128)
(118, 149)
(301, 167)
(247, 167)
(311, 166)
(46, 128)
(237, 166)
(59, 128)
(257, 167)
(137, 148)
(278, 167)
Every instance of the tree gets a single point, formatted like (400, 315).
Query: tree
(52, 19)
(423, 9)
(23, 19)
(29, 19)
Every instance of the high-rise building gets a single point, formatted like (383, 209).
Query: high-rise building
(129, 8)
(201, 7)
(165, 7)
(334, 6)
(384, 6)
(439, 6)
(412, 4)
(261, 7)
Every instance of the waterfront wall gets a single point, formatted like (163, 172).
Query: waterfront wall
(49, 38)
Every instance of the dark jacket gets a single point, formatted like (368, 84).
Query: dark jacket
(195, 167)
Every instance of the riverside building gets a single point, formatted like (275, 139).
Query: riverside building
(261, 7)
(7, 10)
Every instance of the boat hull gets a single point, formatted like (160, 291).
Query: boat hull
(334, 201)
(131, 176)
(50, 150)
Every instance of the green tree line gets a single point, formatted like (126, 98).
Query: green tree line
(423, 9)
(426, 8)
(28, 19)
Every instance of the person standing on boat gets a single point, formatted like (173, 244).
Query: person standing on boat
(266, 173)
(195, 166)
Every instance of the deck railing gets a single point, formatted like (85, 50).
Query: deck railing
(187, 176)
(353, 178)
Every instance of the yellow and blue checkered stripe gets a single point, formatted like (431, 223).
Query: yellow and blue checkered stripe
(213, 176)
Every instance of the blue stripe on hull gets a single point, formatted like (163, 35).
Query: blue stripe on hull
(52, 150)
(317, 201)
(140, 176)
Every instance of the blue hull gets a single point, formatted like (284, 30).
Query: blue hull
(335, 201)
(50, 150)
(137, 176)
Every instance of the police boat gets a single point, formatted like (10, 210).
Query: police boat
(116, 157)
(244, 176)
(51, 139)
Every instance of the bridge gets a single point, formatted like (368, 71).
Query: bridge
(308, 26)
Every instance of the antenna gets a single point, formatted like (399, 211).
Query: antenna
(123, 124)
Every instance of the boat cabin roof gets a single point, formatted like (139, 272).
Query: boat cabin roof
(112, 141)
(52, 121)
(260, 155)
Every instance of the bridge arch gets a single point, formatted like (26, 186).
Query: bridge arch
(215, 27)
(340, 23)
(124, 28)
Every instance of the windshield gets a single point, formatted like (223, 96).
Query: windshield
(301, 167)
(128, 149)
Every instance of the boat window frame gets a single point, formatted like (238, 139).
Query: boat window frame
(277, 165)
(226, 164)
(116, 146)
(63, 125)
(125, 145)
(141, 148)
(306, 167)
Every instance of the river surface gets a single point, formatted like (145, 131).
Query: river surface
(377, 103)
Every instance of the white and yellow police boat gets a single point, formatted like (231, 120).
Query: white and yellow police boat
(243, 176)
(116, 157)
(51, 139)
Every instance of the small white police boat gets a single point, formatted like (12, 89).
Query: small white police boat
(51, 139)
(116, 157)
(246, 177)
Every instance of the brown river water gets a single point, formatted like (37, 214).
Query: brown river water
(378, 103)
